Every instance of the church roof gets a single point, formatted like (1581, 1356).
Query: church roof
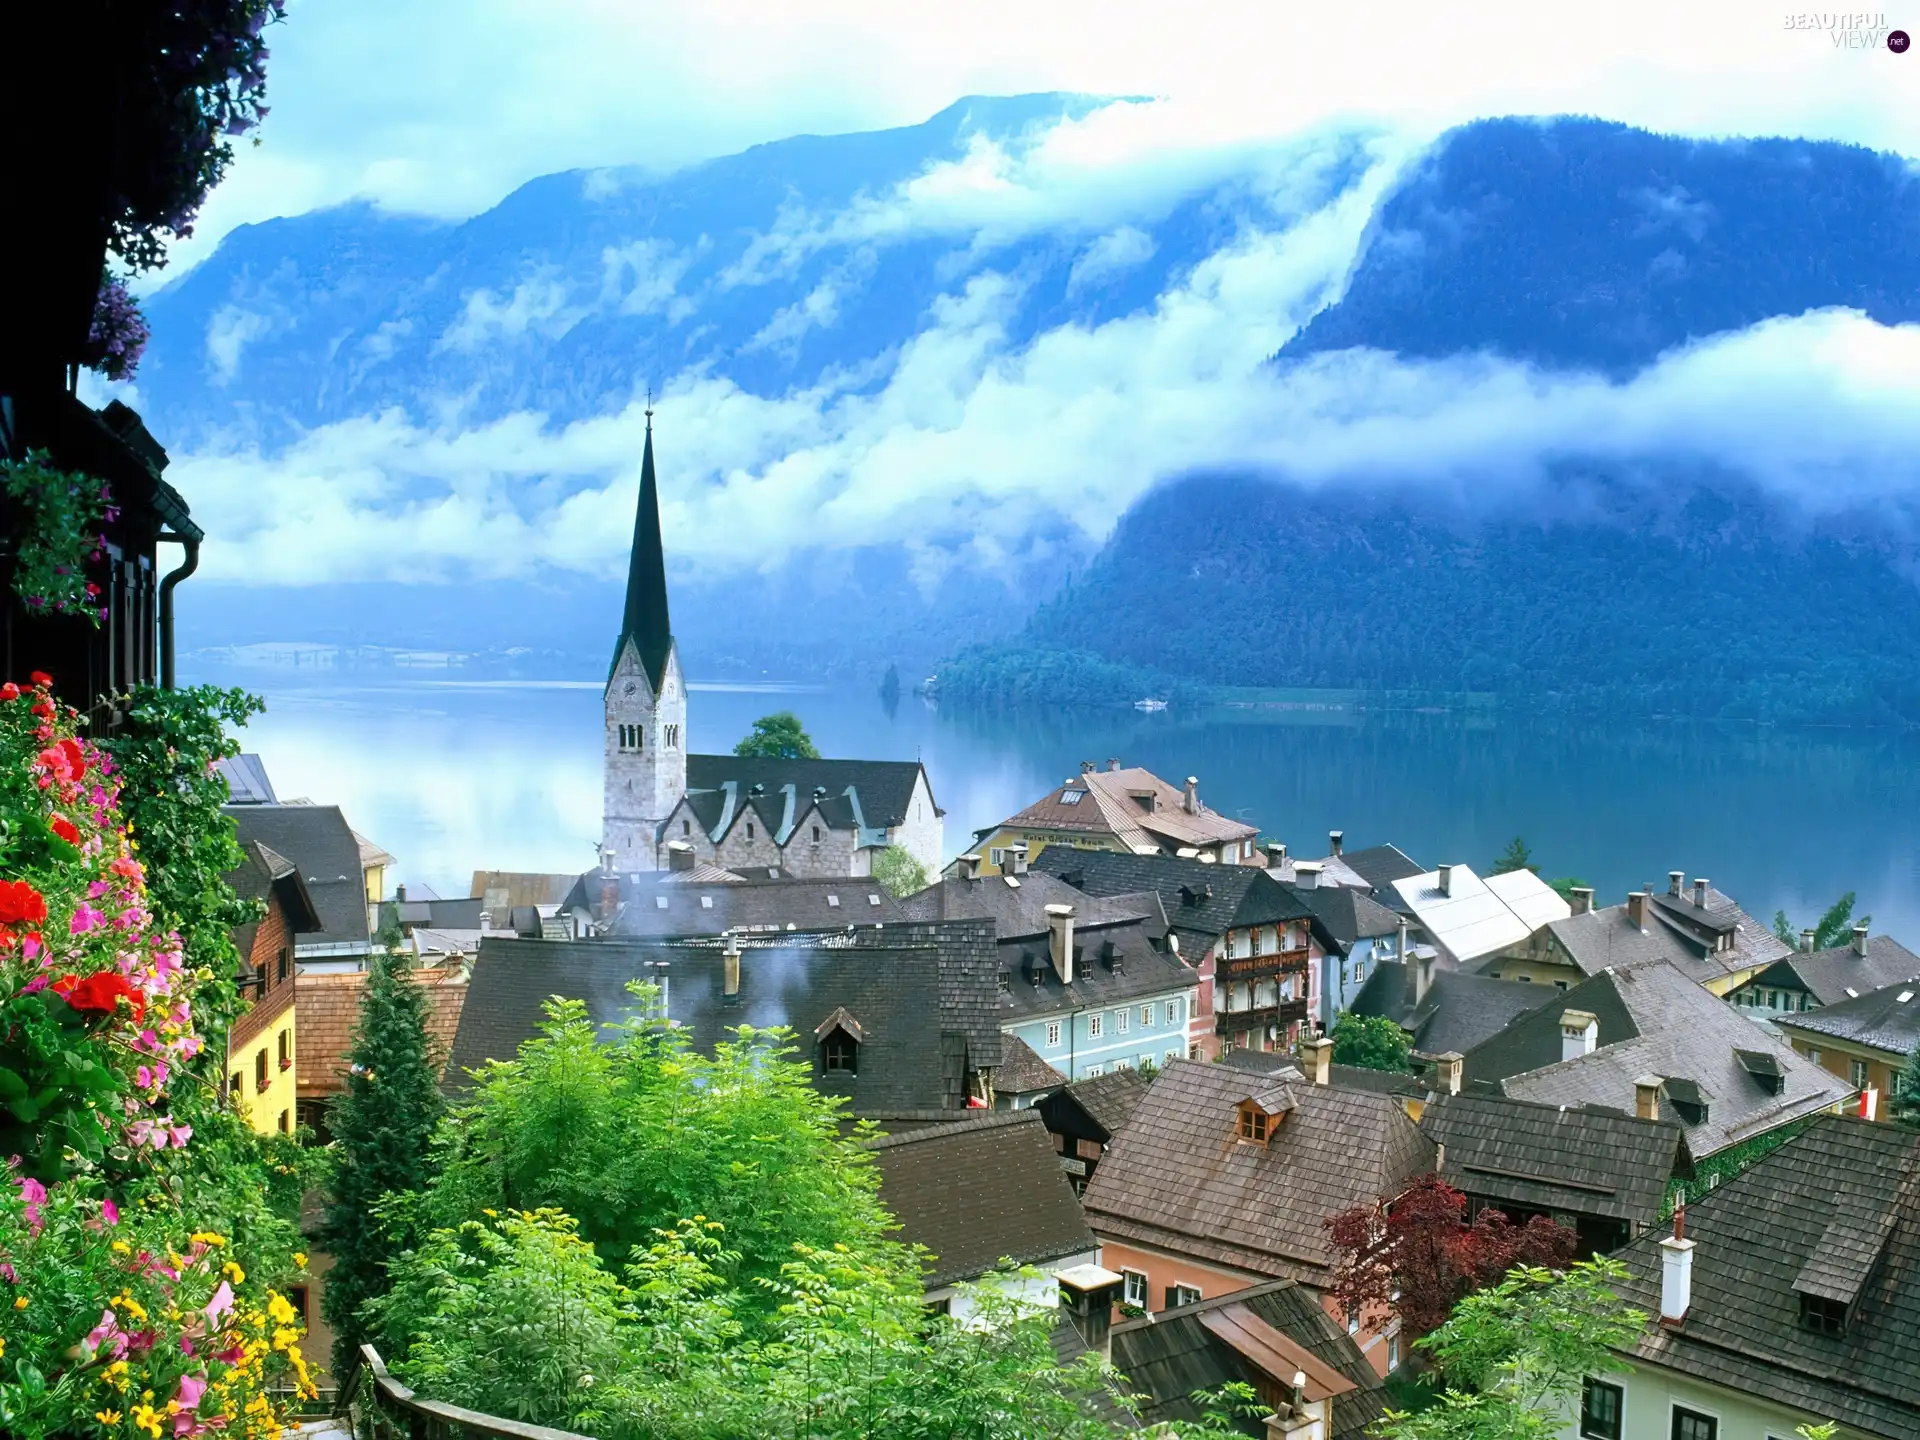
(645, 622)
(861, 795)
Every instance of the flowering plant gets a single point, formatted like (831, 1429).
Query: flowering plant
(118, 336)
(58, 523)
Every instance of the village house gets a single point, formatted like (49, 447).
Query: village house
(1443, 1009)
(807, 817)
(329, 1008)
(1792, 1298)
(1648, 1040)
(1088, 984)
(1221, 1180)
(1372, 870)
(1806, 979)
(536, 905)
(901, 1021)
(1360, 935)
(1129, 811)
(675, 904)
(1489, 925)
(1083, 1118)
(1256, 948)
(980, 1194)
(320, 844)
(1866, 1040)
(1698, 930)
(1024, 1079)
(265, 1041)
(1599, 1172)
(1261, 1336)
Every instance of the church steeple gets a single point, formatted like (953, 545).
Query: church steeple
(645, 622)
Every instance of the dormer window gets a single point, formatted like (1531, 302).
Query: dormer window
(840, 1051)
(1253, 1123)
(1258, 1116)
(1823, 1316)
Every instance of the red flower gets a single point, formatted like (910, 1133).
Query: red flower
(76, 757)
(21, 903)
(41, 679)
(9, 691)
(65, 829)
(99, 993)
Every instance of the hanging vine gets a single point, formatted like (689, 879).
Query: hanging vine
(56, 526)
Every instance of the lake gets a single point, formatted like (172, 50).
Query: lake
(455, 775)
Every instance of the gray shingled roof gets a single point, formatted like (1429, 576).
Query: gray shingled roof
(1839, 974)
(1684, 1034)
(1114, 964)
(924, 997)
(1381, 865)
(1178, 1176)
(1676, 931)
(1110, 1100)
(1350, 915)
(1460, 1010)
(1758, 1234)
(1022, 1071)
(1017, 904)
(885, 787)
(980, 1191)
(1886, 1019)
(654, 907)
(1544, 1157)
(318, 840)
(1170, 1356)
(1200, 900)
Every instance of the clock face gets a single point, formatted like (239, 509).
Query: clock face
(631, 687)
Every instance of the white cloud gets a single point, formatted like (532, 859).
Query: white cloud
(1110, 256)
(641, 278)
(540, 302)
(229, 332)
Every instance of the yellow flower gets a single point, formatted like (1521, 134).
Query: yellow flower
(20, 1302)
(207, 1237)
(120, 1247)
(279, 1309)
(234, 1273)
(107, 1417)
(148, 1419)
(299, 1259)
(3, 1345)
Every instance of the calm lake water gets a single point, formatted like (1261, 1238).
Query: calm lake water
(453, 776)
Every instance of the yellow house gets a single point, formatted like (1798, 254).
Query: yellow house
(374, 864)
(1132, 811)
(263, 1044)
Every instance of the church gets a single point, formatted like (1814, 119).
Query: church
(664, 808)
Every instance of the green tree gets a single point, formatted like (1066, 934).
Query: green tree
(383, 1127)
(1513, 1356)
(899, 872)
(1906, 1091)
(1371, 1041)
(1833, 929)
(1515, 857)
(778, 737)
(1565, 885)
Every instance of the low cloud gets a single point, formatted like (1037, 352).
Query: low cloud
(540, 302)
(229, 333)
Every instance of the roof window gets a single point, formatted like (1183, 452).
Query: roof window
(706, 902)
(834, 901)
(1071, 797)
(659, 902)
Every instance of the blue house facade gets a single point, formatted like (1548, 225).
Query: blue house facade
(1111, 1034)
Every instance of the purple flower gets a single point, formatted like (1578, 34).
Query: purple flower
(118, 336)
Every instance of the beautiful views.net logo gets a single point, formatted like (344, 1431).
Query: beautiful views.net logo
(1862, 31)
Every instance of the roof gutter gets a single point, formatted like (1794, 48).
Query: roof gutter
(188, 536)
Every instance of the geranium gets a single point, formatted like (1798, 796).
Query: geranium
(100, 994)
(21, 904)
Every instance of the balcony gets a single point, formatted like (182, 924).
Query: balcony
(1232, 1022)
(1274, 962)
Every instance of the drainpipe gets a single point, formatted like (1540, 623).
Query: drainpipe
(191, 563)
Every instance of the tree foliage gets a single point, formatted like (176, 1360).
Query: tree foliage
(1906, 1091)
(1833, 929)
(1372, 1042)
(1515, 857)
(779, 736)
(1514, 1355)
(1417, 1253)
(383, 1127)
(899, 872)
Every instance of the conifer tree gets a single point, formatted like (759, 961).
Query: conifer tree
(1906, 1091)
(383, 1127)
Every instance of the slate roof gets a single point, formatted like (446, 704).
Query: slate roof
(459, 914)
(1022, 1071)
(1017, 904)
(1349, 915)
(327, 1005)
(247, 782)
(318, 840)
(1676, 932)
(644, 622)
(1352, 1077)
(1680, 1033)
(1542, 1157)
(1200, 901)
(1886, 1019)
(1109, 802)
(979, 1191)
(653, 908)
(1841, 1187)
(1381, 865)
(1110, 1100)
(1201, 1347)
(511, 889)
(1839, 974)
(926, 997)
(1476, 918)
(884, 787)
(1115, 963)
(1461, 1009)
(264, 872)
(1177, 1176)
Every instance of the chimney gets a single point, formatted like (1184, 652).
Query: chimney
(1086, 767)
(730, 962)
(400, 893)
(1637, 909)
(1113, 763)
(1646, 1096)
(1422, 978)
(1400, 941)
(1016, 859)
(1443, 879)
(1335, 839)
(1579, 1033)
(1676, 1272)
(1087, 1295)
(1298, 1418)
(1676, 882)
(968, 866)
(1582, 899)
(1192, 802)
(679, 855)
(1807, 938)
(1700, 885)
(1446, 1071)
(609, 900)
(1319, 1055)
(1276, 855)
(1060, 941)
(1860, 940)
(1306, 874)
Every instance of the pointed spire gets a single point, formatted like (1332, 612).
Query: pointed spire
(645, 622)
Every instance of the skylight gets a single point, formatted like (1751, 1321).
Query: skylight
(659, 902)
(834, 901)
(1903, 997)
(706, 902)
(1071, 797)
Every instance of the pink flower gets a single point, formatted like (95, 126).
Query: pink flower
(108, 1335)
(192, 1387)
(39, 982)
(220, 1304)
(35, 1195)
(151, 1077)
(85, 918)
(181, 1135)
(109, 1212)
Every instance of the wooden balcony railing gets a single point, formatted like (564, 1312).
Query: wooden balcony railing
(1232, 1022)
(1274, 962)
(378, 1407)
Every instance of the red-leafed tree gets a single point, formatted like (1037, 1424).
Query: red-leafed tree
(1417, 1255)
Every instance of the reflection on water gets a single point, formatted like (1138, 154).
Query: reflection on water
(463, 775)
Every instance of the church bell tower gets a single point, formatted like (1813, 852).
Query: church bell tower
(646, 702)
